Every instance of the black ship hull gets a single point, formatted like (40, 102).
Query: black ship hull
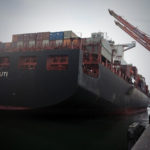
(68, 90)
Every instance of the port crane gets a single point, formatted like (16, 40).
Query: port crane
(133, 31)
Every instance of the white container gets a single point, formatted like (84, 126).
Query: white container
(31, 44)
(20, 44)
(59, 42)
(45, 43)
(69, 34)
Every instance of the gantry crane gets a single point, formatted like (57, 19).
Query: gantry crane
(134, 32)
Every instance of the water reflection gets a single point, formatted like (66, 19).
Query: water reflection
(41, 132)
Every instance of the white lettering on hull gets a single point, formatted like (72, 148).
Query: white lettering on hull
(4, 74)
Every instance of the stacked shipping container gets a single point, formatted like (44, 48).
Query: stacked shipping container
(71, 39)
(49, 40)
(42, 39)
(56, 38)
(36, 41)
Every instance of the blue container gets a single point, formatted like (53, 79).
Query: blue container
(56, 35)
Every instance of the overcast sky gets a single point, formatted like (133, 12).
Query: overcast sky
(81, 16)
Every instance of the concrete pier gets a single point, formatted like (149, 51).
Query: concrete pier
(143, 142)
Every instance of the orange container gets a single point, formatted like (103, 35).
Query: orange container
(76, 42)
(67, 42)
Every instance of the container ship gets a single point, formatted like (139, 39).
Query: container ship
(63, 72)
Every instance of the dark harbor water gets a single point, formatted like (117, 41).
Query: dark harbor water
(21, 131)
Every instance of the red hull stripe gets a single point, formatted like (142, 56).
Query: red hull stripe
(130, 111)
(13, 108)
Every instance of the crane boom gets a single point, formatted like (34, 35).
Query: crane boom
(134, 36)
(134, 32)
(130, 26)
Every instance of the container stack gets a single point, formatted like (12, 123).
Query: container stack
(56, 39)
(39, 41)
(32, 40)
(42, 39)
(56, 36)
(70, 38)
(18, 40)
(25, 40)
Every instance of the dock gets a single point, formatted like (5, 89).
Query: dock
(143, 142)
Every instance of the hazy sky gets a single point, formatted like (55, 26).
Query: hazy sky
(81, 16)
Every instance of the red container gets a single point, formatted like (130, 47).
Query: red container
(15, 38)
(26, 37)
(39, 44)
(43, 36)
(32, 36)
(26, 44)
(20, 37)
